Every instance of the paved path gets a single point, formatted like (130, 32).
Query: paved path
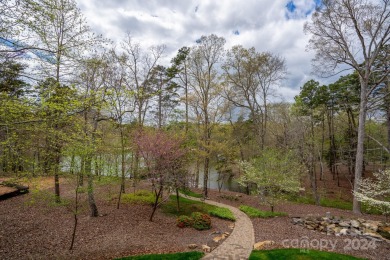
(239, 244)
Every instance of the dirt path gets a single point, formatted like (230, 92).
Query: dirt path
(240, 242)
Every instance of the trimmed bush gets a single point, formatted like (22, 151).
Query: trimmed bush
(184, 221)
(201, 221)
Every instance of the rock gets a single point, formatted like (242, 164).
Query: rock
(215, 233)
(263, 244)
(297, 220)
(355, 223)
(373, 235)
(344, 231)
(373, 225)
(231, 226)
(226, 233)
(355, 232)
(344, 224)
(219, 238)
(206, 249)
(192, 246)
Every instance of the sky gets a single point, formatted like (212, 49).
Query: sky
(274, 26)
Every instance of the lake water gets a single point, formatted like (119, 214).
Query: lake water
(108, 167)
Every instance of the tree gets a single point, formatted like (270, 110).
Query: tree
(351, 33)
(94, 87)
(250, 79)
(275, 174)
(179, 69)
(203, 81)
(375, 192)
(163, 157)
(59, 28)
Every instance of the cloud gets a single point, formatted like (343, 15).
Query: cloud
(267, 25)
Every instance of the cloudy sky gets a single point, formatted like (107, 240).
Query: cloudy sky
(267, 25)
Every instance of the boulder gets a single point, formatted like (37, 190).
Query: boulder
(373, 225)
(344, 223)
(344, 231)
(355, 223)
(192, 246)
(219, 238)
(263, 244)
(206, 249)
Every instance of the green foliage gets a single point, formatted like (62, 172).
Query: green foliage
(184, 221)
(176, 256)
(47, 198)
(375, 193)
(275, 174)
(298, 254)
(201, 221)
(190, 193)
(256, 213)
(139, 197)
(222, 213)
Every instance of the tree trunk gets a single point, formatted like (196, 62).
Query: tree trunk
(360, 145)
(206, 176)
(91, 198)
(155, 204)
(177, 200)
(57, 178)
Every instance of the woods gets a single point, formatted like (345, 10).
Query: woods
(75, 105)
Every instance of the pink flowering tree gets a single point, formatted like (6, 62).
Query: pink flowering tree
(163, 157)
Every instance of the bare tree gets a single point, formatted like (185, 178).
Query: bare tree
(351, 33)
(203, 81)
(250, 79)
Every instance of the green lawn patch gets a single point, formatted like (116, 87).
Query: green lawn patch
(190, 193)
(187, 207)
(223, 213)
(335, 203)
(176, 256)
(256, 213)
(139, 197)
(298, 254)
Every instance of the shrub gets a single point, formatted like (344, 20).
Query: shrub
(201, 221)
(184, 221)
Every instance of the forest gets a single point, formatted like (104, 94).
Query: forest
(78, 108)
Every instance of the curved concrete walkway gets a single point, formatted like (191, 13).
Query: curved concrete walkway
(239, 244)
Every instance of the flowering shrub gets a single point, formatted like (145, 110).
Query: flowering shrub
(184, 221)
(201, 221)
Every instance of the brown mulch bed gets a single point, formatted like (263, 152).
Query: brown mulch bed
(32, 229)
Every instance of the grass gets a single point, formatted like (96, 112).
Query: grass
(335, 203)
(190, 193)
(223, 213)
(187, 207)
(175, 256)
(298, 254)
(256, 213)
(139, 197)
